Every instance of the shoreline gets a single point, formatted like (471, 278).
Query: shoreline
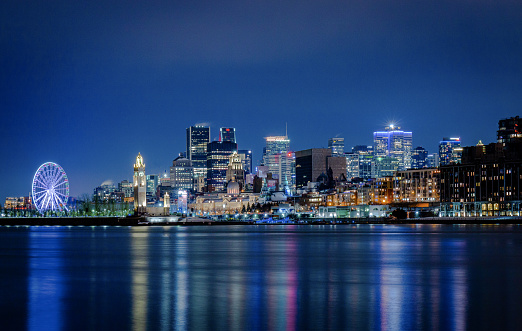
(193, 221)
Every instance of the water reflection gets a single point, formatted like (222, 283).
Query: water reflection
(263, 277)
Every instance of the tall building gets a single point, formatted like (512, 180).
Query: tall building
(278, 157)
(359, 162)
(450, 151)
(197, 139)
(217, 164)
(235, 170)
(419, 158)
(488, 181)
(432, 160)
(153, 181)
(310, 164)
(140, 185)
(227, 134)
(337, 146)
(246, 158)
(383, 166)
(394, 143)
(509, 130)
(181, 174)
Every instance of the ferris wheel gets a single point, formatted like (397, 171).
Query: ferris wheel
(50, 188)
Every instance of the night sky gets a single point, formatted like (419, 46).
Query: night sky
(89, 84)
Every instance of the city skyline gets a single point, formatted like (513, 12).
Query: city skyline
(89, 86)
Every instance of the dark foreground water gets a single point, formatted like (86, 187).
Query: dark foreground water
(261, 277)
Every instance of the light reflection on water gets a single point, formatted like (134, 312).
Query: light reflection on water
(261, 277)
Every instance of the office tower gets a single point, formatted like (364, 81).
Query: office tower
(235, 171)
(383, 166)
(359, 162)
(394, 143)
(509, 130)
(181, 174)
(246, 158)
(276, 156)
(432, 161)
(338, 165)
(217, 164)
(197, 139)
(337, 146)
(140, 185)
(450, 151)
(152, 184)
(419, 158)
(310, 164)
(227, 134)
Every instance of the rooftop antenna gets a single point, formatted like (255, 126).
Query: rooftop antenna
(286, 130)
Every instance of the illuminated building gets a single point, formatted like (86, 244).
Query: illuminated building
(153, 181)
(419, 158)
(488, 182)
(383, 166)
(382, 191)
(140, 186)
(224, 203)
(227, 134)
(197, 139)
(279, 159)
(235, 172)
(509, 130)
(217, 164)
(314, 162)
(450, 151)
(432, 160)
(103, 192)
(359, 163)
(17, 203)
(126, 188)
(393, 143)
(417, 185)
(246, 159)
(337, 146)
(181, 174)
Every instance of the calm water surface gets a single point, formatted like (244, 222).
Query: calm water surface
(261, 277)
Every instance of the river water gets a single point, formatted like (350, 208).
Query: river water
(261, 277)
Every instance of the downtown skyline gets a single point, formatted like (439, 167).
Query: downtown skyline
(88, 86)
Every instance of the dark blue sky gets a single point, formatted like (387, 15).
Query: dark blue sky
(90, 84)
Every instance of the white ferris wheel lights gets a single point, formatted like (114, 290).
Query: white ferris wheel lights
(50, 189)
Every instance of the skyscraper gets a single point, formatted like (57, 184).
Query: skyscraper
(337, 146)
(310, 164)
(419, 158)
(217, 163)
(278, 157)
(359, 162)
(197, 139)
(227, 134)
(246, 159)
(394, 143)
(181, 174)
(450, 151)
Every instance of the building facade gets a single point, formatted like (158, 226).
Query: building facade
(337, 146)
(227, 134)
(182, 174)
(197, 139)
(140, 185)
(419, 158)
(394, 143)
(217, 164)
(450, 151)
